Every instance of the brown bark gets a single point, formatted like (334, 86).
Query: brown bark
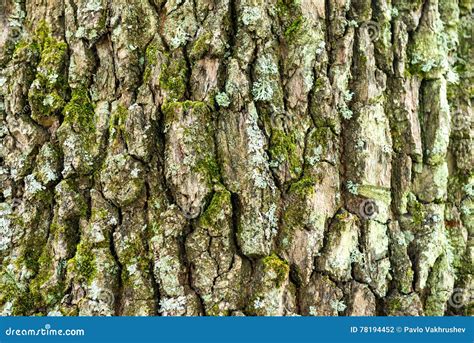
(217, 157)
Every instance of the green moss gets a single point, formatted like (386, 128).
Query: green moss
(304, 187)
(295, 210)
(406, 280)
(117, 123)
(172, 108)
(374, 192)
(18, 294)
(151, 55)
(79, 112)
(201, 46)
(133, 254)
(27, 50)
(417, 210)
(343, 215)
(283, 148)
(102, 23)
(45, 105)
(286, 7)
(409, 5)
(437, 298)
(42, 32)
(36, 42)
(214, 310)
(220, 201)
(30, 254)
(319, 84)
(208, 166)
(24, 303)
(200, 135)
(53, 53)
(278, 266)
(394, 305)
(80, 122)
(83, 263)
(294, 28)
(428, 48)
(65, 233)
(37, 295)
(99, 214)
(44, 262)
(136, 20)
(173, 78)
(292, 20)
(44, 293)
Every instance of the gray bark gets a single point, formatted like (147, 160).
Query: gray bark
(216, 157)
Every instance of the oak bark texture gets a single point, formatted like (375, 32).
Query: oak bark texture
(216, 157)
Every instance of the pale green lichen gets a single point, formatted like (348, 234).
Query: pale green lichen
(172, 304)
(352, 187)
(250, 15)
(262, 90)
(32, 186)
(256, 142)
(180, 38)
(222, 99)
(469, 189)
(316, 155)
(267, 66)
(428, 48)
(338, 305)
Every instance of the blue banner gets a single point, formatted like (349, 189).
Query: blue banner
(237, 329)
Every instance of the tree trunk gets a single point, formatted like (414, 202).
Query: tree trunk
(216, 157)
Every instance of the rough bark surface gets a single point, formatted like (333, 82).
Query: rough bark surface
(226, 157)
